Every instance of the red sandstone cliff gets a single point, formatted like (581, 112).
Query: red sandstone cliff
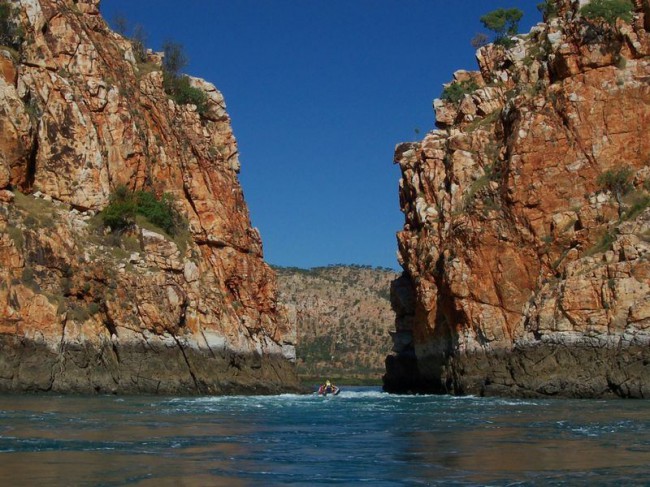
(81, 310)
(525, 273)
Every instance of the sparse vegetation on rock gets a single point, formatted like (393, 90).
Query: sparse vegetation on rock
(618, 182)
(521, 242)
(138, 311)
(11, 34)
(139, 41)
(177, 85)
(608, 10)
(125, 204)
(457, 90)
(138, 37)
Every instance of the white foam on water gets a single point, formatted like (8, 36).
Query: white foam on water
(218, 399)
(362, 394)
(516, 403)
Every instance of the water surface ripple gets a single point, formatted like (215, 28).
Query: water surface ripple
(361, 437)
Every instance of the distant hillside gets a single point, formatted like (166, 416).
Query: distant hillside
(343, 319)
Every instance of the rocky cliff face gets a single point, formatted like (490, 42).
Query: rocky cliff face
(526, 242)
(85, 310)
(343, 318)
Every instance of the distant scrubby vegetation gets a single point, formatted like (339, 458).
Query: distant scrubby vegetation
(344, 319)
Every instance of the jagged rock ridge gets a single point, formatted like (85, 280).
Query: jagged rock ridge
(82, 310)
(525, 272)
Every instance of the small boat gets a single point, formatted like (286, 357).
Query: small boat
(328, 388)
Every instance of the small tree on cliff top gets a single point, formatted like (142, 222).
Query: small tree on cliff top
(139, 41)
(176, 84)
(503, 22)
(175, 58)
(479, 40)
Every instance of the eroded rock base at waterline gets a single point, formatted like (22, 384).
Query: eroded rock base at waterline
(29, 366)
(586, 371)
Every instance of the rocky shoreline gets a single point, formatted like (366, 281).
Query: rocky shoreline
(167, 365)
(536, 370)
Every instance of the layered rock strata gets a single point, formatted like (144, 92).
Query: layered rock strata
(85, 310)
(526, 242)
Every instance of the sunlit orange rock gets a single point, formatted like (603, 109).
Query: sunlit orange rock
(529, 275)
(141, 313)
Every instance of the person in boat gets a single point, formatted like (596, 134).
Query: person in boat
(328, 388)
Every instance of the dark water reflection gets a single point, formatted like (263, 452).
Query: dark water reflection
(361, 436)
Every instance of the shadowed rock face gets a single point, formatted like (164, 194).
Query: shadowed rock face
(84, 311)
(525, 274)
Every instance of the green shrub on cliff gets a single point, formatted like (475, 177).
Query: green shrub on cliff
(120, 212)
(458, 89)
(608, 10)
(11, 34)
(548, 8)
(176, 84)
(617, 181)
(183, 93)
(160, 212)
(5, 24)
(124, 205)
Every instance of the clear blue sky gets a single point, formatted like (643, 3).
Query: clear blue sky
(320, 92)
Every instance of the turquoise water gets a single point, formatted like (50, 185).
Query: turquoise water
(361, 437)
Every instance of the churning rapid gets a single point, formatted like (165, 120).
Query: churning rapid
(362, 435)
